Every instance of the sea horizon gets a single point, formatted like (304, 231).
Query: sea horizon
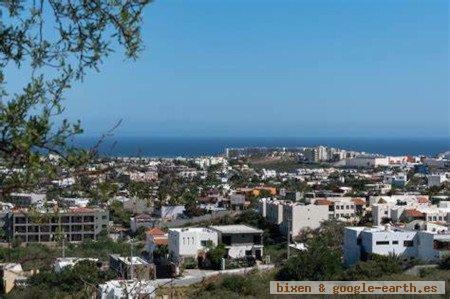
(173, 146)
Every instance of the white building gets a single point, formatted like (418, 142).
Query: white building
(367, 161)
(171, 212)
(129, 289)
(298, 216)
(190, 241)
(362, 242)
(437, 179)
(63, 262)
(274, 212)
(240, 240)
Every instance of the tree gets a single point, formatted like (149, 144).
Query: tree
(321, 260)
(53, 43)
(375, 268)
(83, 275)
(215, 255)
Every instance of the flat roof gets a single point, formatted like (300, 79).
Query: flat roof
(236, 229)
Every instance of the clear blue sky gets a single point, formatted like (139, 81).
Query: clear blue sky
(278, 68)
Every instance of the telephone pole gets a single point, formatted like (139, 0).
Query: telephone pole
(288, 237)
(131, 259)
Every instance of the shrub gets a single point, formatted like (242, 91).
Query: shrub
(190, 263)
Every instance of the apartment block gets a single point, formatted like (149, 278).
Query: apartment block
(75, 224)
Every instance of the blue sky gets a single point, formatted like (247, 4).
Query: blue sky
(278, 68)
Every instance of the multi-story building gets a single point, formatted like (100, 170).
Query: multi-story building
(274, 212)
(437, 179)
(298, 216)
(362, 242)
(342, 208)
(366, 161)
(73, 224)
(190, 241)
(240, 240)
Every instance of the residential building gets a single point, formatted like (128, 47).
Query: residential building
(13, 275)
(171, 212)
(297, 217)
(131, 267)
(367, 161)
(141, 220)
(155, 237)
(63, 262)
(437, 179)
(362, 242)
(42, 226)
(190, 241)
(129, 289)
(240, 240)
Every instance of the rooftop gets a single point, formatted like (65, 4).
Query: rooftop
(236, 229)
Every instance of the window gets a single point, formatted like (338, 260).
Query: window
(382, 243)
(395, 242)
(408, 243)
(337, 207)
(204, 243)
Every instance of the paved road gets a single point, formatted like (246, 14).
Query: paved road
(194, 276)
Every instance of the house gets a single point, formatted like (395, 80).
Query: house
(155, 237)
(63, 262)
(12, 275)
(240, 240)
(131, 267)
(237, 201)
(119, 289)
(171, 212)
(362, 242)
(190, 241)
(117, 232)
(141, 220)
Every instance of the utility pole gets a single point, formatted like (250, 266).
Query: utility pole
(131, 260)
(63, 247)
(288, 236)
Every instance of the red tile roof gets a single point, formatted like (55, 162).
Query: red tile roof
(323, 202)
(161, 241)
(414, 213)
(155, 231)
(359, 201)
(422, 199)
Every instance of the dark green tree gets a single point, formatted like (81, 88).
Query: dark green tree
(53, 43)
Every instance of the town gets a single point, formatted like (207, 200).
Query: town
(149, 227)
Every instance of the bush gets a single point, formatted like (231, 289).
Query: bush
(445, 263)
(190, 263)
(234, 283)
(373, 269)
(215, 256)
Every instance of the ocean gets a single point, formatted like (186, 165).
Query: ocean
(205, 146)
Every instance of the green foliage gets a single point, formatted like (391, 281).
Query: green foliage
(375, 268)
(51, 55)
(190, 263)
(118, 214)
(216, 254)
(322, 259)
(84, 274)
(445, 263)
(31, 256)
